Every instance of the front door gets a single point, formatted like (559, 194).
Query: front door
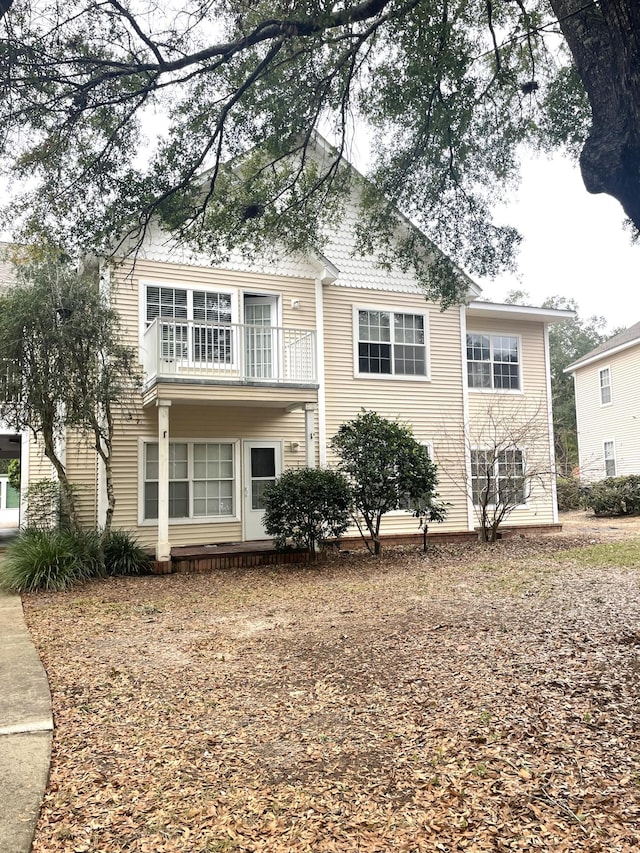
(262, 465)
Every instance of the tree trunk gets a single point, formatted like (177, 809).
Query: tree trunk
(604, 39)
(65, 485)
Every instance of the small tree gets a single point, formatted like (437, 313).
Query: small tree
(64, 365)
(387, 468)
(507, 451)
(307, 506)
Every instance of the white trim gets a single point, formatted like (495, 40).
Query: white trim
(320, 374)
(601, 370)
(578, 365)
(518, 312)
(552, 449)
(24, 473)
(394, 377)
(199, 519)
(511, 391)
(466, 422)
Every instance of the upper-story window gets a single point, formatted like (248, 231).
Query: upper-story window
(203, 342)
(493, 361)
(391, 343)
(605, 386)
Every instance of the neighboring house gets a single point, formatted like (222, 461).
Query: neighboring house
(608, 407)
(12, 445)
(250, 369)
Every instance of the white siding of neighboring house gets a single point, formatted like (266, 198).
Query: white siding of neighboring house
(618, 422)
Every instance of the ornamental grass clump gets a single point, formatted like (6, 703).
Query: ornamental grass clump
(49, 560)
(123, 555)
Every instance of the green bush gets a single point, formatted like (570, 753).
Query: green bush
(57, 559)
(123, 555)
(307, 506)
(614, 496)
(48, 560)
(569, 492)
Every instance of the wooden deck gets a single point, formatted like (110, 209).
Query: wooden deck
(238, 555)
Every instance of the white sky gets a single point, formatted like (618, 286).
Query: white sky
(574, 245)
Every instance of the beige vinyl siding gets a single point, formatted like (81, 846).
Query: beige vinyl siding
(516, 408)
(125, 286)
(191, 423)
(82, 471)
(618, 422)
(433, 407)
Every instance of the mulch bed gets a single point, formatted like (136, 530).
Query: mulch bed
(470, 699)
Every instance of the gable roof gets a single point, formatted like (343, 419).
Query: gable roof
(623, 340)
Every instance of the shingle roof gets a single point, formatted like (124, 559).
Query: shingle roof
(627, 336)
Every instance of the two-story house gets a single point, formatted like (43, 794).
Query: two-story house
(608, 407)
(250, 369)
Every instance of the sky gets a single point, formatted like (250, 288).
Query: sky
(574, 245)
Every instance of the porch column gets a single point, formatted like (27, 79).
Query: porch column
(163, 547)
(309, 436)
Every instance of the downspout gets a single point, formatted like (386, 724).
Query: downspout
(322, 402)
(552, 449)
(466, 429)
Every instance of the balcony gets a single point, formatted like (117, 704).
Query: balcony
(228, 353)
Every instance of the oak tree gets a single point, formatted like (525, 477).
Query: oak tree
(449, 90)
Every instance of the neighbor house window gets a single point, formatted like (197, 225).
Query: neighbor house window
(498, 477)
(391, 343)
(605, 386)
(493, 361)
(201, 479)
(609, 459)
(207, 338)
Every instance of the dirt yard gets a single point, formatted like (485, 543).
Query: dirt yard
(472, 699)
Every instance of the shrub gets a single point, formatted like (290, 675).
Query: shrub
(307, 506)
(569, 493)
(49, 560)
(387, 468)
(123, 555)
(614, 496)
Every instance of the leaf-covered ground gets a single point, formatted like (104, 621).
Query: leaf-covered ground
(471, 699)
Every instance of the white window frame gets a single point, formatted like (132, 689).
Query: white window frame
(608, 386)
(395, 377)
(492, 389)
(191, 519)
(609, 442)
(525, 486)
(190, 288)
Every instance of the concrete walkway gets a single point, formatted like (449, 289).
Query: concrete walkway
(26, 728)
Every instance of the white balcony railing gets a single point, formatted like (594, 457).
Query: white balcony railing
(229, 351)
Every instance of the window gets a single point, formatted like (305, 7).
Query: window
(201, 479)
(206, 339)
(609, 459)
(605, 386)
(493, 361)
(391, 343)
(497, 477)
